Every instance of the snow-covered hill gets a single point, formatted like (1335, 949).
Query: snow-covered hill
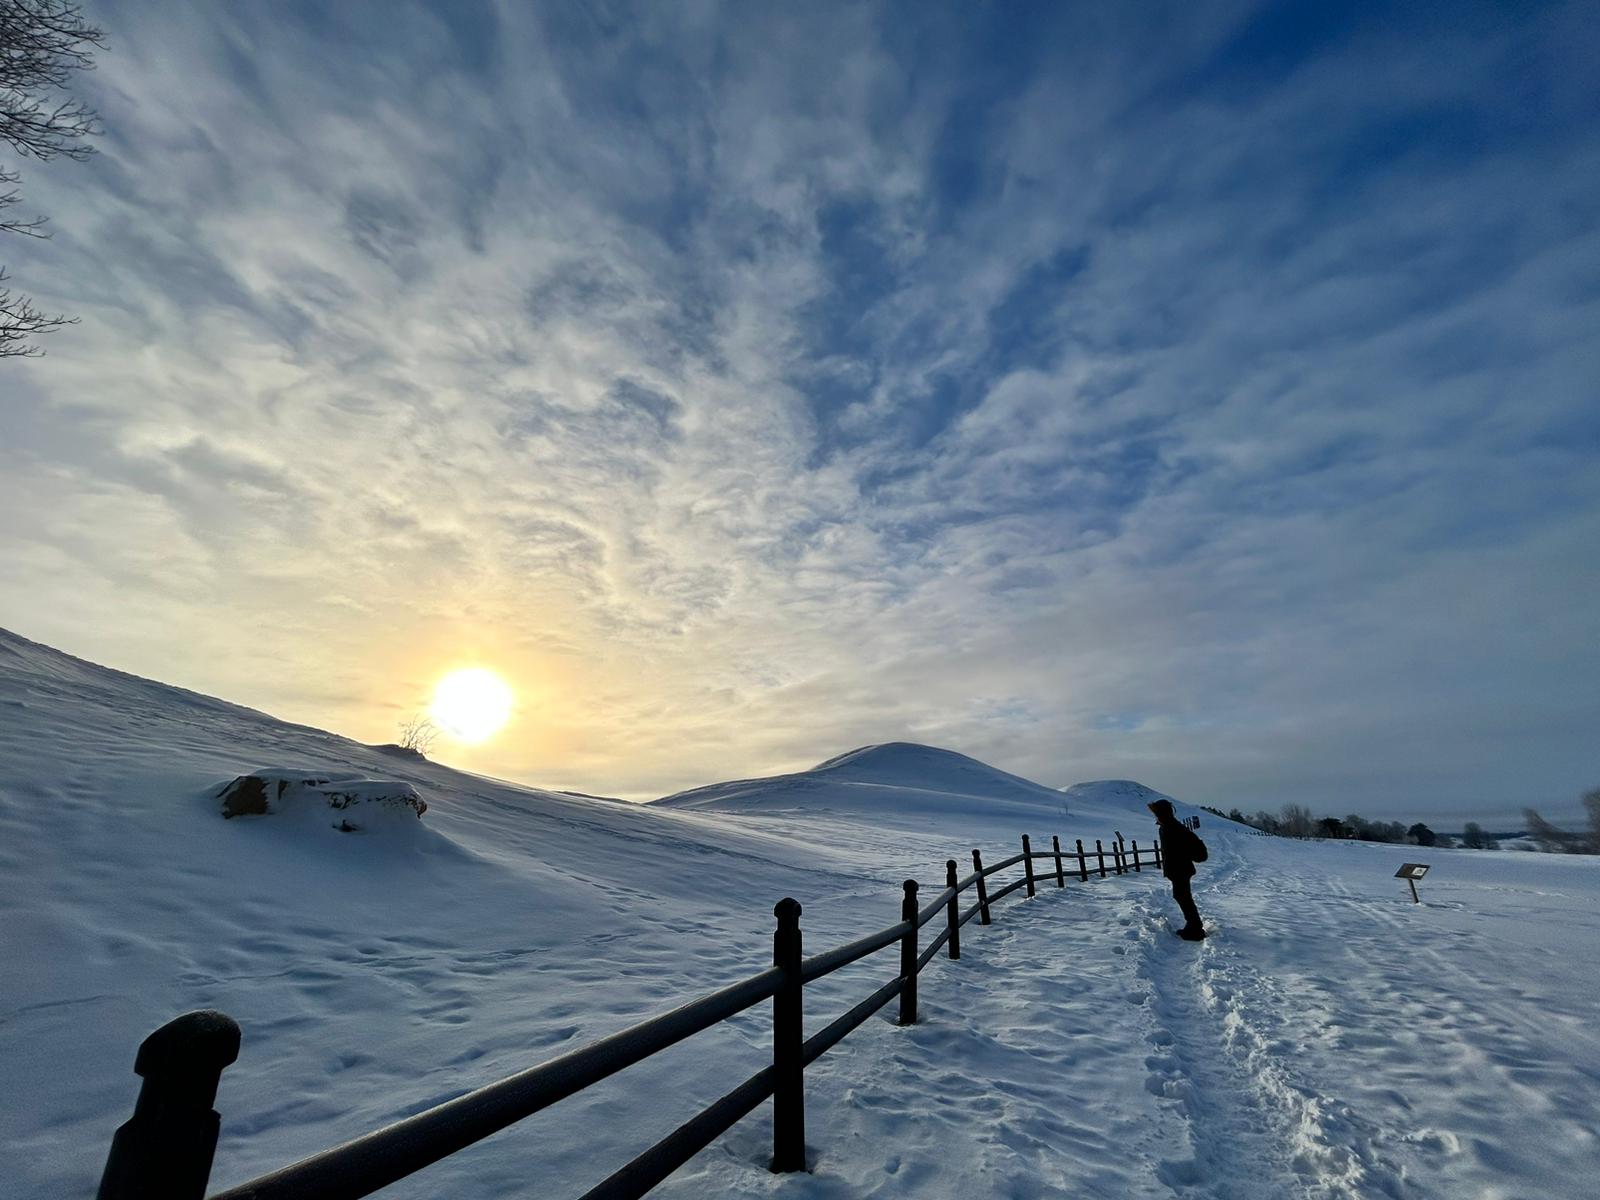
(1110, 793)
(894, 779)
(1330, 1039)
(902, 783)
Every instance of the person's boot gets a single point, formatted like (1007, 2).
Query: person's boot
(1192, 933)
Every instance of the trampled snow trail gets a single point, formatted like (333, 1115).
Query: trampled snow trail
(1321, 1044)
(1254, 1130)
(1329, 1041)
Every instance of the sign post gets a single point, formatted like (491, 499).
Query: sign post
(1411, 872)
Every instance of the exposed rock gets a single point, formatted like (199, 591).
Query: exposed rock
(358, 801)
(246, 796)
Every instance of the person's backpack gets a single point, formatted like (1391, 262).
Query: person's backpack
(1197, 848)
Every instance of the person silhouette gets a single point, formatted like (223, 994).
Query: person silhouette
(1181, 848)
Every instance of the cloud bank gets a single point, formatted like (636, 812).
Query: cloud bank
(1207, 397)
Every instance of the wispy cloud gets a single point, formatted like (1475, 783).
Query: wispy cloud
(1207, 397)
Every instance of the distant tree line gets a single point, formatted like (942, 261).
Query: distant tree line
(1296, 820)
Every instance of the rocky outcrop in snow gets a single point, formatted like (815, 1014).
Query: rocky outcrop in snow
(350, 802)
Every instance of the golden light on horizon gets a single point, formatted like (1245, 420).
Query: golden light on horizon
(471, 704)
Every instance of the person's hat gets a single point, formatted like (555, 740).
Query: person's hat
(1161, 808)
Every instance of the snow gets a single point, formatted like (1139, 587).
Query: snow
(1330, 1038)
(902, 785)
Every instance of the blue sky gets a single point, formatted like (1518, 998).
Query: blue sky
(1204, 394)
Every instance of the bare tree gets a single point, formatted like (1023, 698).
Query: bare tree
(1296, 821)
(1550, 839)
(42, 42)
(417, 732)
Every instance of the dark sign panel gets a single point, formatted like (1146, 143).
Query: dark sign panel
(1411, 871)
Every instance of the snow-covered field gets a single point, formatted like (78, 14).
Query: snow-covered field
(1330, 1039)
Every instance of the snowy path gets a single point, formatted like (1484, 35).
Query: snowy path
(1413, 1052)
(1079, 1048)
(1023, 1078)
(1245, 1136)
(1325, 1042)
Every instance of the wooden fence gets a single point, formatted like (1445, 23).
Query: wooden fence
(165, 1149)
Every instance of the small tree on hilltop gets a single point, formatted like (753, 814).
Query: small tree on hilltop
(1472, 836)
(1422, 835)
(42, 42)
(417, 732)
(1331, 827)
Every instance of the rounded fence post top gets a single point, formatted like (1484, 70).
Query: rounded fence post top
(950, 864)
(198, 1043)
(787, 910)
(910, 885)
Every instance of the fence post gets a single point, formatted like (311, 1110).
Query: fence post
(1101, 855)
(1083, 866)
(1027, 862)
(788, 1062)
(1055, 844)
(165, 1149)
(1136, 865)
(983, 891)
(953, 909)
(908, 956)
(1118, 855)
(1158, 852)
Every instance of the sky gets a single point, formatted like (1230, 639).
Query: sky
(1205, 394)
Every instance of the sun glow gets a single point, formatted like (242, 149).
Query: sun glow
(471, 704)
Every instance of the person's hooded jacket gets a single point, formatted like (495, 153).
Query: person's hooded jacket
(1179, 848)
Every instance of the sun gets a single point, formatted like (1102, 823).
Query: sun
(471, 704)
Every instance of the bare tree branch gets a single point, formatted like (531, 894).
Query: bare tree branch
(20, 322)
(42, 42)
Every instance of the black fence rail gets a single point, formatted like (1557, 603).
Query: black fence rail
(166, 1148)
